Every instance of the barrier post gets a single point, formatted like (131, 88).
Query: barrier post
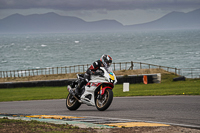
(125, 87)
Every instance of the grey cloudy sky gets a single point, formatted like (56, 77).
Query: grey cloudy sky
(124, 11)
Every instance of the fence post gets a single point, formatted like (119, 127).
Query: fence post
(132, 65)
(140, 65)
(175, 70)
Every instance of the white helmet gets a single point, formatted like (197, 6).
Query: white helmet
(106, 59)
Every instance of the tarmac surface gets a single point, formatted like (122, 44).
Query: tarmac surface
(123, 112)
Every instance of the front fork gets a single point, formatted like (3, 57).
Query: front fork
(102, 91)
(99, 96)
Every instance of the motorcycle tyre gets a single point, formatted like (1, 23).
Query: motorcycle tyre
(108, 102)
(75, 104)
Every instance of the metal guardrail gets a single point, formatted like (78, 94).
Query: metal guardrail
(82, 68)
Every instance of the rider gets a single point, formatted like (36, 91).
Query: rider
(105, 61)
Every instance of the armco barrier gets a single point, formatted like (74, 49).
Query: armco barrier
(132, 79)
(63, 82)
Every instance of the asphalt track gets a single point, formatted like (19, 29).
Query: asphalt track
(176, 110)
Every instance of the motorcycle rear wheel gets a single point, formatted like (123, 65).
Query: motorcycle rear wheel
(103, 103)
(72, 103)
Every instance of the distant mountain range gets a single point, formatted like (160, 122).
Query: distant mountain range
(52, 22)
(173, 20)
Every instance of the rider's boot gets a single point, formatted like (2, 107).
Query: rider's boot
(70, 90)
(77, 89)
(71, 87)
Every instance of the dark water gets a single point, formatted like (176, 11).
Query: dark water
(173, 48)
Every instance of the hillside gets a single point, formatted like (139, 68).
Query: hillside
(52, 22)
(173, 20)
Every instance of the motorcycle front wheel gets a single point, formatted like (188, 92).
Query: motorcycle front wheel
(103, 103)
(72, 103)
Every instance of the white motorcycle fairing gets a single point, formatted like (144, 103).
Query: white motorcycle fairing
(88, 97)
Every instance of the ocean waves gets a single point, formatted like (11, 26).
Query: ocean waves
(179, 49)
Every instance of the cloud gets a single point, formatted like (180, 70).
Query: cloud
(71, 5)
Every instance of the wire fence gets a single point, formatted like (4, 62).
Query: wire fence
(80, 69)
(188, 72)
(44, 71)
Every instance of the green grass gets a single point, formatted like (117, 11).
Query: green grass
(167, 87)
(33, 93)
(176, 88)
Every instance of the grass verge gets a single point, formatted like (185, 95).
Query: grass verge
(167, 87)
(11, 126)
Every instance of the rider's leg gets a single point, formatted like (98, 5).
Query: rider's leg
(73, 83)
(81, 83)
(87, 77)
(78, 87)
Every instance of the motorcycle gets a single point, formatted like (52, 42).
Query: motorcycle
(97, 92)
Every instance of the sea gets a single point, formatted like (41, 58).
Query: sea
(171, 48)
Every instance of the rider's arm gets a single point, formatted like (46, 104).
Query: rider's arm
(96, 65)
